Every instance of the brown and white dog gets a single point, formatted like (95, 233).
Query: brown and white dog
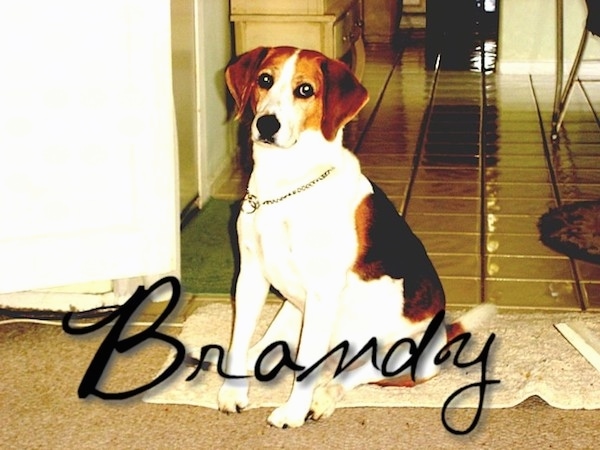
(316, 229)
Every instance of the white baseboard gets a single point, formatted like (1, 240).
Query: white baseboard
(56, 301)
(589, 69)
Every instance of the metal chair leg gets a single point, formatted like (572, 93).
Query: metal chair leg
(561, 108)
(559, 66)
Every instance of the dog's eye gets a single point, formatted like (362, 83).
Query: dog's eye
(265, 80)
(305, 90)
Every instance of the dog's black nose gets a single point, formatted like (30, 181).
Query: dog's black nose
(267, 127)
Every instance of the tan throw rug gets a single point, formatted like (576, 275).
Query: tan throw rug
(529, 357)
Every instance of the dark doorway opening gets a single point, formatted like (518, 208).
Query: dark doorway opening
(462, 34)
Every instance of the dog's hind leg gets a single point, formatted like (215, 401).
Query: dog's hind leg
(327, 395)
(391, 358)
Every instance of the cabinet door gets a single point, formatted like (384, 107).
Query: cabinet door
(87, 147)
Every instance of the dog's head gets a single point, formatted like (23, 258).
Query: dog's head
(287, 91)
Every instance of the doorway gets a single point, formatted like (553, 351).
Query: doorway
(462, 34)
(201, 49)
(184, 94)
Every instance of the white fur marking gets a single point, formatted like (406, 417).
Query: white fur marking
(279, 101)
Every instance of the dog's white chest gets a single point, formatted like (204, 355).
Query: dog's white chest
(299, 243)
(270, 238)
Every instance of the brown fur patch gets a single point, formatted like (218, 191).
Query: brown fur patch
(366, 269)
(240, 76)
(308, 71)
(400, 381)
(271, 64)
(453, 330)
(387, 246)
(425, 301)
(340, 96)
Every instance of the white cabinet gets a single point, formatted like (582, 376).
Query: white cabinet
(333, 27)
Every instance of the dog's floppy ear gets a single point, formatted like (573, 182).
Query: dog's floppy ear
(240, 76)
(343, 98)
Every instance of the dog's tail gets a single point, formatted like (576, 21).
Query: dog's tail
(470, 321)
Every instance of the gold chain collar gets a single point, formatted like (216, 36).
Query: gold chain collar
(251, 203)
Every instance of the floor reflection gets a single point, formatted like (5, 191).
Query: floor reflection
(463, 155)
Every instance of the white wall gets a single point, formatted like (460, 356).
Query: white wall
(528, 35)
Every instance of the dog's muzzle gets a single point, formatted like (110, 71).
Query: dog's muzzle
(267, 127)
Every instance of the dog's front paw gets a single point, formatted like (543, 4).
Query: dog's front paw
(325, 400)
(286, 416)
(233, 396)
